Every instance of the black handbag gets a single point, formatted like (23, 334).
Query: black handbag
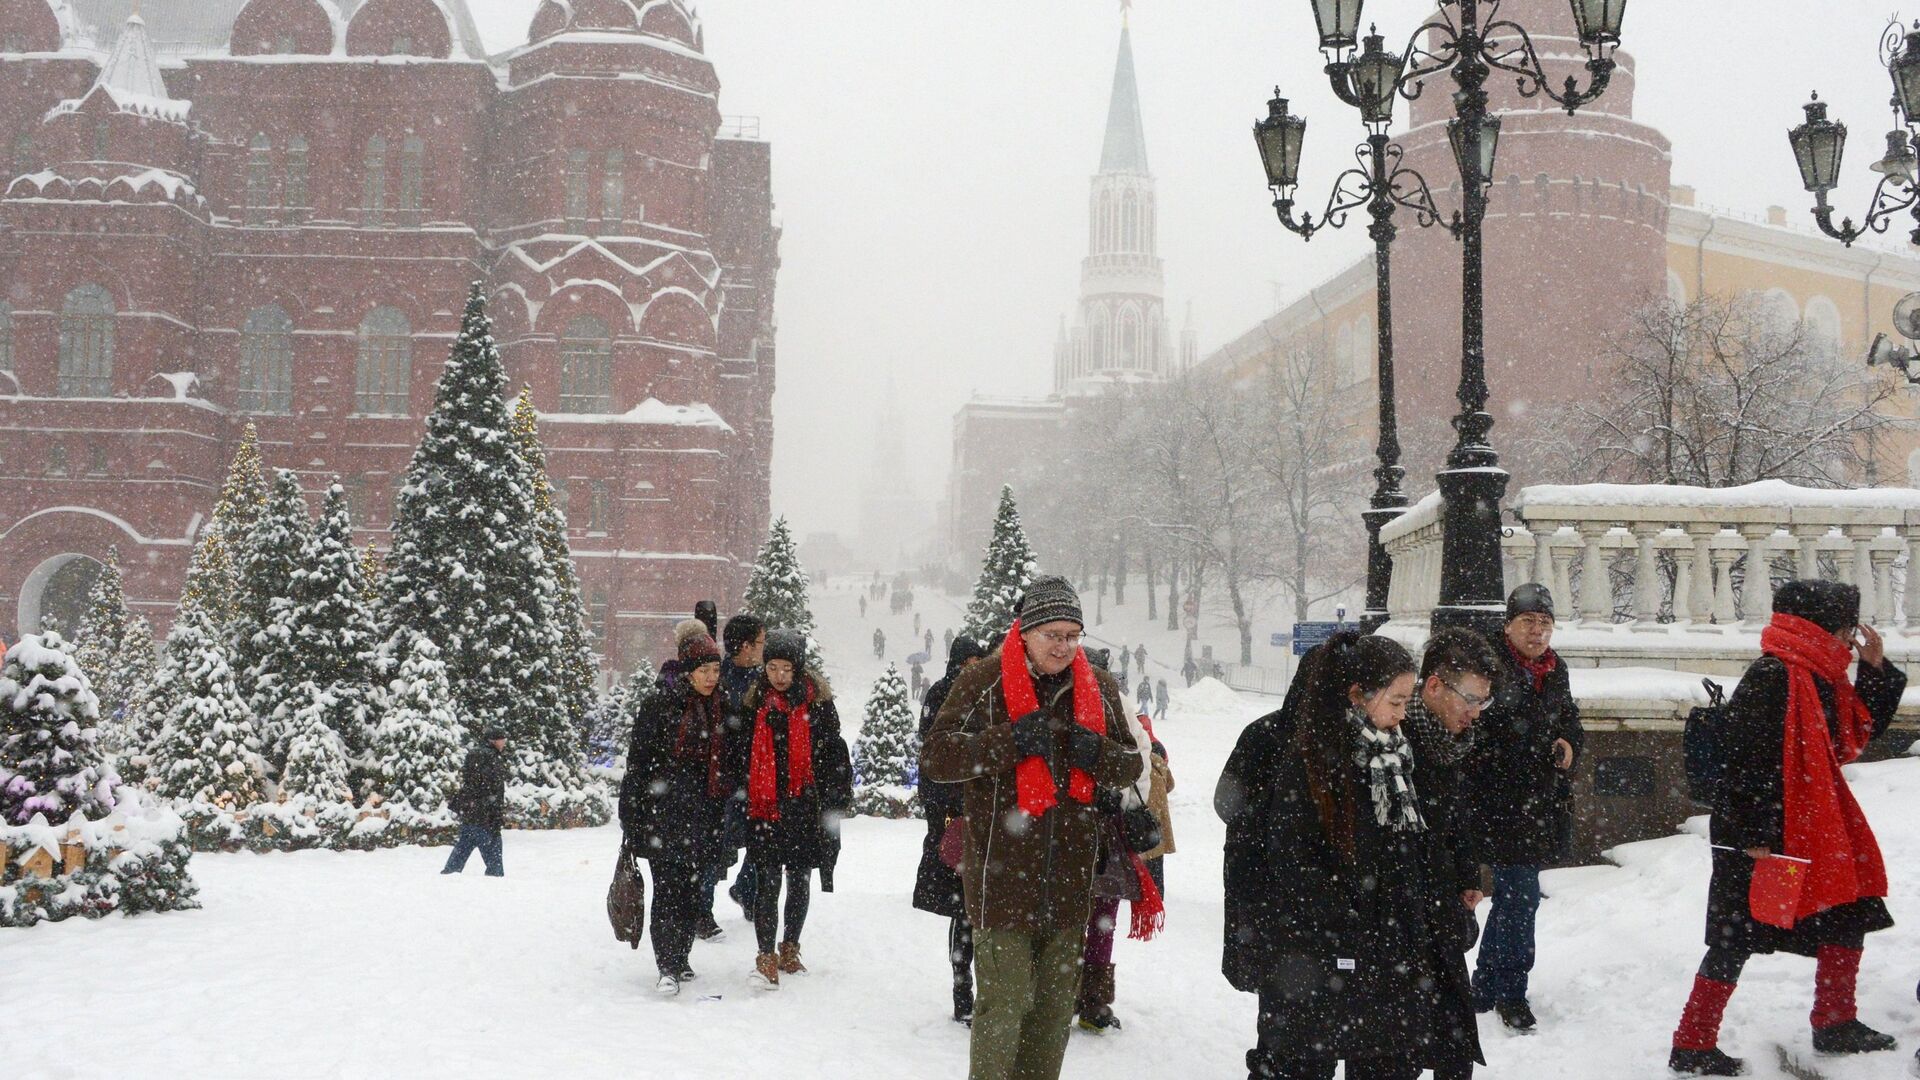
(627, 898)
(1139, 830)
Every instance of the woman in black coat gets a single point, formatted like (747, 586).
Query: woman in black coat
(672, 796)
(799, 786)
(1813, 630)
(1340, 912)
(936, 886)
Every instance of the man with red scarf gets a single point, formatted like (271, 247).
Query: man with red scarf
(1783, 813)
(1029, 734)
(1516, 800)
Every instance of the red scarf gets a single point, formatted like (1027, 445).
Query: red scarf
(702, 721)
(763, 796)
(1149, 913)
(1033, 779)
(1537, 669)
(1823, 822)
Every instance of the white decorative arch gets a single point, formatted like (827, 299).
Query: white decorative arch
(1823, 326)
(1676, 287)
(34, 590)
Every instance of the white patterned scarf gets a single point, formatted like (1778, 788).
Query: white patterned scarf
(1388, 759)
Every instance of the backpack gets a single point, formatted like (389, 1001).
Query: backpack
(1702, 745)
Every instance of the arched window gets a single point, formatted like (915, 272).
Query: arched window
(1364, 351)
(384, 374)
(597, 610)
(1676, 289)
(1343, 351)
(1823, 327)
(599, 507)
(373, 184)
(1780, 311)
(579, 162)
(1129, 352)
(613, 186)
(264, 381)
(295, 195)
(413, 179)
(1097, 344)
(102, 139)
(86, 343)
(1130, 223)
(586, 367)
(6, 336)
(259, 180)
(1106, 223)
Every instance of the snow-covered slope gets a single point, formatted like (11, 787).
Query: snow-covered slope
(326, 964)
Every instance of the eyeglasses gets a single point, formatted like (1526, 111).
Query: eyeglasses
(1055, 637)
(1472, 702)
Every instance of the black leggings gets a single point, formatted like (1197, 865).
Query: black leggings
(766, 902)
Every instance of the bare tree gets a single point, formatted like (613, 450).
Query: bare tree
(1722, 392)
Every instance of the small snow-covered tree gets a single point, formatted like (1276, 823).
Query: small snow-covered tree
(124, 735)
(209, 749)
(212, 576)
(1004, 575)
(265, 664)
(777, 589)
(418, 746)
(101, 629)
(50, 761)
(329, 627)
(886, 755)
(578, 668)
(316, 763)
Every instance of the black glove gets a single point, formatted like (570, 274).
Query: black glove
(1032, 737)
(1083, 748)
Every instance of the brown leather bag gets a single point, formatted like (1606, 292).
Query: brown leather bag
(627, 898)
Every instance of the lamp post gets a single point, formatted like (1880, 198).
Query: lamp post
(1380, 183)
(1469, 40)
(1819, 144)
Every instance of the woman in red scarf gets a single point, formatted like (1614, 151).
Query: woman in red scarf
(1792, 722)
(799, 786)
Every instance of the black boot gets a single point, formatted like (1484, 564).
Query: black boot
(1852, 1037)
(1708, 1062)
(1096, 999)
(1518, 1016)
(963, 1005)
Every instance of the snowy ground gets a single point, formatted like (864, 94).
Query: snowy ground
(327, 964)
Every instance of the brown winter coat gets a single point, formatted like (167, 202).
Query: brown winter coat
(1019, 874)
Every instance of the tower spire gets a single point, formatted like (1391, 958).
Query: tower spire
(1125, 148)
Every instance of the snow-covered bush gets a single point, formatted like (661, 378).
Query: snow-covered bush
(886, 756)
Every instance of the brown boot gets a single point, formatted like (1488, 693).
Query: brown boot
(790, 958)
(1096, 999)
(766, 971)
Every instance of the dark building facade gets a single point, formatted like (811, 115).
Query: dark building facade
(219, 212)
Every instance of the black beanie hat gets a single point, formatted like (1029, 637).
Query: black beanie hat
(1050, 599)
(788, 645)
(1529, 599)
(963, 649)
(1833, 606)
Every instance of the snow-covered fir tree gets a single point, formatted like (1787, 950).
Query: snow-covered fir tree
(208, 749)
(578, 667)
(330, 627)
(372, 569)
(886, 755)
(265, 660)
(419, 745)
(50, 760)
(125, 734)
(1004, 576)
(316, 764)
(777, 589)
(101, 630)
(466, 568)
(611, 722)
(212, 575)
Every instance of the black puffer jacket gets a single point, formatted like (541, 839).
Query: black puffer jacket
(1748, 811)
(666, 802)
(1364, 953)
(936, 886)
(482, 797)
(808, 831)
(1518, 807)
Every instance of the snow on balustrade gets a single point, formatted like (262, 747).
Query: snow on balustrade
(1658, 575)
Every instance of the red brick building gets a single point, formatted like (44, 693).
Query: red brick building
(223, 211)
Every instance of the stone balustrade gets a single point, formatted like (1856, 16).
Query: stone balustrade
(1661, 576)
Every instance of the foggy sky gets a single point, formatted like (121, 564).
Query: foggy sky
(931, 164)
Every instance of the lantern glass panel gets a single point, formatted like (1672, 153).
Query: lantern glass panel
(1599, 20)
(1339, 22)
(1376, 78)
(1906, 78)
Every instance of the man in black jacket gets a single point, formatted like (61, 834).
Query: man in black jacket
(745, 642)
(481, 806)
(1518, 801)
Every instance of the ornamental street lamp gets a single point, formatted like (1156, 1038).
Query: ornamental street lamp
(1819, 144)
(1469, 40)
(1380, 183)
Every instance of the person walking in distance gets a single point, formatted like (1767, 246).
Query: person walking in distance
(673, 796)
(480, 805)
(1161, 699)
(936, 885)
(879, 643)
(1783, 812)
(799, 787)
(1031, 733)
(1519, 800)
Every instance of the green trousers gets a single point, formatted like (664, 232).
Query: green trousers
(1026, 988)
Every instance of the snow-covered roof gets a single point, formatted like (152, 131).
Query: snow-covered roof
(202, 27)
(131, 78)
(650, 411)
